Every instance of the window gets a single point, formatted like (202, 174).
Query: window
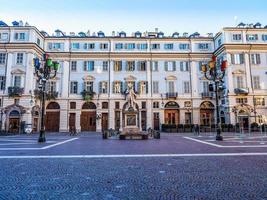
(103, 45)
(2, 58)
(143, 105)
(239, 82)
(73, 65)
(171, 86)
(105, 65)
(259, 101)
(38, 41)
(104, 105)
(52, 86)
(168, 46)
(130, 46)
(256, 82)
(184, 46)
(155, 104)
(186, 87)
(236, 37)
(155, 87)
(255, 59)
(118, 46)
(91, 45)
(142, 65)
(89, 65)
(19, 58)
(75, 45)
(155, 66)
(241, 100)
(72, 105)
(117, 87)
(117, 66)
(184, 66)
(3, 36)
(130, 84)
(170, 66)
(2, 82)
(142, 46)
(264, 37)
(203, 46)
(130, 66)
(252, 37)
(103, 87)
(20, 36)
(56, 46)
(73, 87)
(117, 105)
(219, 42)
(237, 59)
(206, 87)
(89, 86)
(155, 46)
(143, 87)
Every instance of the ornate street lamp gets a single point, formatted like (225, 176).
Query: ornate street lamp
(214, 71)
(44, 70)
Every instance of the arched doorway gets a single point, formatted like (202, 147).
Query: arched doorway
(52, 117)
(88, 117)
(206, 113)
(14, 121)
(171, 113)
(243, 118)
(35, 118)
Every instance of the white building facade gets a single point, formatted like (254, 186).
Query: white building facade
(164, 72)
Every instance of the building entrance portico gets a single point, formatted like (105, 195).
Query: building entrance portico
(171, 113)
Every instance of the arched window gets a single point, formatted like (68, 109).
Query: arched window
(172, 104)
(89, 105)
(53, 105)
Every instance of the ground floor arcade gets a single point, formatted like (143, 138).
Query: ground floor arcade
(62, 115)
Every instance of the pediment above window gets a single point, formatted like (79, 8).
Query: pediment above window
(17, 71)
(238, 72)
(88, 78)
(171, 78)
(130, 78)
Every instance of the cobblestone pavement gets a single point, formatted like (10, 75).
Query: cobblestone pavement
(181, 177)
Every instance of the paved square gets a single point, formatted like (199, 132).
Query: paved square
(174, 167)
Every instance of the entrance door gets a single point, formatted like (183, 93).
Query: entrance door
(52, 121)
(72, 120)
(14, 125)
(104, 121)
(244, 122)
(88, 121)
(171, 116)
(35, 124)
(143, 120)
(156, 121)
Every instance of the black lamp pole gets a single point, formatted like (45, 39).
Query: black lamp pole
(215, 73)
(44, 70)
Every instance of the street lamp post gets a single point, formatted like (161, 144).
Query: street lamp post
(45, 69)
(215, 72)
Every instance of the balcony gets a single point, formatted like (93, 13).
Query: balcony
(207, 95)
(87, 95)
(15, 91)
(171, 95)
(241, 91)
(50, 95)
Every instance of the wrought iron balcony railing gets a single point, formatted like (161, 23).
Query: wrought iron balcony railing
(15, 91)
(170, 95)
(241, 91)
(207, 95)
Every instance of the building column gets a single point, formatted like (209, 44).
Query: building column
(248, 74)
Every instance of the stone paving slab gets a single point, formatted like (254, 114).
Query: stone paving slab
(134, 178)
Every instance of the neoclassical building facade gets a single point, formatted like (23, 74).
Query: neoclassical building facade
(163, 74)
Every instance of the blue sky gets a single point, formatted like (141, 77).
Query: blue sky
(131, 15)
